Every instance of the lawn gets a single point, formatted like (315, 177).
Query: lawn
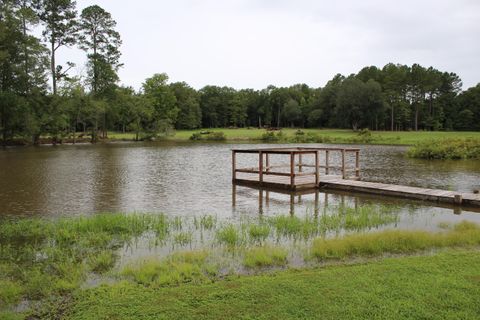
(336, 135)
(445, 285)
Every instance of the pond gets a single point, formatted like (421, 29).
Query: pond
(191, 179)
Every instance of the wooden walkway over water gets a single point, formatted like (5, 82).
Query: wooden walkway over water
(303, 173)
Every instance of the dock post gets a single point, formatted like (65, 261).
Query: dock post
(327, 169)
(292, 169)
(267, 162)
(357, 164)
(234, 166)
(343, 164)
(260, 167)
(300, 162)
(317, 169)
(458, 199)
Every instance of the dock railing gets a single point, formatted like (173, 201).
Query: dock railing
(296, 161)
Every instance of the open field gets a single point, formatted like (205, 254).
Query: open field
(333, 135)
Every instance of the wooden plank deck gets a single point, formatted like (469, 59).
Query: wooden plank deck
(425, 194)
(337, 183)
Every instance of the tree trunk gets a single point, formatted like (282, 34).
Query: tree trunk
(416, 117)
(391, 118)
(53, 68)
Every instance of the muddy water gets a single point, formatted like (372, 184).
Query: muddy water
(195, 179)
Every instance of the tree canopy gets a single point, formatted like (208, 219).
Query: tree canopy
(392, 97)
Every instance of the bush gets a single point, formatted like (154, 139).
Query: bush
(208, 136)
(271, 136)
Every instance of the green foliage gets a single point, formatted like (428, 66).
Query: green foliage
(446, 149)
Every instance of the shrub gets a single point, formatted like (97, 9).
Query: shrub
(208, 136)
(446, 149)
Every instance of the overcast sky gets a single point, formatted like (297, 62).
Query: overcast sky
(254, 43)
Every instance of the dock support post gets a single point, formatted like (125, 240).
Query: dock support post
(327, 169)
(357, 164)
(234, 166)
(260, 167)
(292, 169)
(343, 164)
(267, 162)
(317, 176)
(292, 204)
(458, 199)
(300, 162)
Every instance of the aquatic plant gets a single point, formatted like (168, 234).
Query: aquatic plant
(265, 256)
(229, 235)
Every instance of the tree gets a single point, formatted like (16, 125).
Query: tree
(102, 43)
(189, 112)
(160, 96)
(59, 18)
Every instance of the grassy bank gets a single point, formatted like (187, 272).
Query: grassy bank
(446, 149)
(442, 286)
(321, 135)
(55, 268)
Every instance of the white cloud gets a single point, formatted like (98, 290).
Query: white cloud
(254, 43)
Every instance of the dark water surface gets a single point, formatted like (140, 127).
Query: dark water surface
(195, 179)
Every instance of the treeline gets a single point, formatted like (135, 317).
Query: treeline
(38, 97)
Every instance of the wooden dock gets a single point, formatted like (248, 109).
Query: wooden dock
(297, 177)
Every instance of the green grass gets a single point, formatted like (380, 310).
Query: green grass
(326, 135)
(265, 256)
(176, 269)
(443, 286)
(230, 235)
(258, 232)
(395, 242)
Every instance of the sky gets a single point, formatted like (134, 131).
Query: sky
(256, 43)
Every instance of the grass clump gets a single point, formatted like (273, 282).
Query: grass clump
(102, 262)
(229, 235)
(265, 256)
(446, 149)
(183, 238)
(395, 241)
(258, 232)
(178, 268)
(10, 292)
(205, 222)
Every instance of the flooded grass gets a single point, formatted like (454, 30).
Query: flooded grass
(230, 235)
(395, 242)
(48, 260)
(176, 269)
(265, 256)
